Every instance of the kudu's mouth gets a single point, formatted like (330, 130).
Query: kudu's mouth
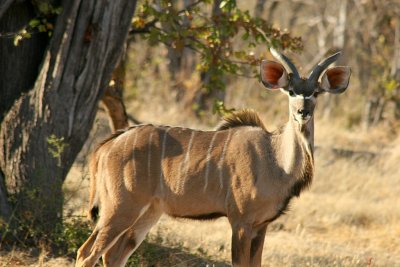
(303, 115)
(302, 119)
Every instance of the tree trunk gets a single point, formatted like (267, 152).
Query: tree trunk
(24, 58)
(113, 97)
(45, 128)
(259, 8)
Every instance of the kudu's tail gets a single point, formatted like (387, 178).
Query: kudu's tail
(93, 198)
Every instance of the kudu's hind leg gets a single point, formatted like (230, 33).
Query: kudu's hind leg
(84, 250)
(257, 245)
(119, 253)
(109, 229)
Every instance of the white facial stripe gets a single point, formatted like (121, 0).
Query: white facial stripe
(297, 96)
(221, 161)
(208, 159)
(161, 159)
(303, 97)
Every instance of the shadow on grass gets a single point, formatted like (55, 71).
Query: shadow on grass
(156, 255)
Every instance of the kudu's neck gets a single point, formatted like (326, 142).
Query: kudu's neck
(305, 132)
(295, 145)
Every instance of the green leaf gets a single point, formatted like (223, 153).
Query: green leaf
(58, 10)
(34, 22)
(27, 35)
(223, 4)
(42, 28)
(390, 85)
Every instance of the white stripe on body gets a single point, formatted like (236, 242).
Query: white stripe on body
(126, 141)
(105, 179)
(164, 142)
(208, 159)
(133, 153)
(221, 160)
(149, 155)
(142, 211)
(185, 163)
(122, 172)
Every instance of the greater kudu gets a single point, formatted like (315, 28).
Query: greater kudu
(240, 171)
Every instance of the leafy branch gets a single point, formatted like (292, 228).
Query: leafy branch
(40, 24)
(213, 37)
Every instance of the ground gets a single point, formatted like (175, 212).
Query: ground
(349, 217)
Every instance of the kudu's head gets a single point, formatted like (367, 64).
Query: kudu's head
(302, 92)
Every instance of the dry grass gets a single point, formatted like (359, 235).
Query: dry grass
(17, 258)
(349, 217)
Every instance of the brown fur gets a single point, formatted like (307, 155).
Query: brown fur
(245, 117)
(241, 171)
(111, 137)
(246, 153)
(93, 206)
(115, 135)
(93, 163)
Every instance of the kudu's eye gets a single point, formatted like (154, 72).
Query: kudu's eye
(315, 94)
(291, 93)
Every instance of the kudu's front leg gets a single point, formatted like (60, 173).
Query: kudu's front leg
(241, 243)
(257, 245)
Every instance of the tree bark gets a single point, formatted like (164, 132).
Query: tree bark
(113, 97)
(259, 8)
(76, 68)
(24, 58)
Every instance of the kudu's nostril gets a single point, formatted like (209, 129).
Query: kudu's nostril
(303, 112)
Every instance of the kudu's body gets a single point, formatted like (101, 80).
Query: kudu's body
(240, 171)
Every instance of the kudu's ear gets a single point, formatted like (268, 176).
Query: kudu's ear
(335, 80)
(273, 75)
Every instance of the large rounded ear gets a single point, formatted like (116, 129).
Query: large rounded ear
(336, 79)
(273, 75)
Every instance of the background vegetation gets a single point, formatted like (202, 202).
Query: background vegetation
(189, 62)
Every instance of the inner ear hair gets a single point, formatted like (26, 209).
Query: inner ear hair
(336, 79)
(273, 75)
